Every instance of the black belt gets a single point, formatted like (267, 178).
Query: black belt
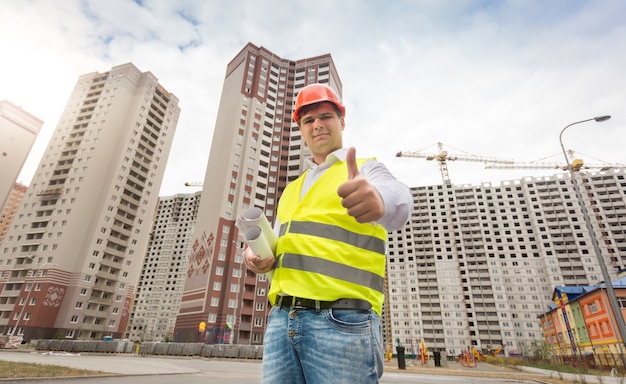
(290, 302)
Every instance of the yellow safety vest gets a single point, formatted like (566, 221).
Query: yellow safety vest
(323, 253)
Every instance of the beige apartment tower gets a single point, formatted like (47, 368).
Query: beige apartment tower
(71, 259)
(18, 131)
(256, 150)
(157, 297)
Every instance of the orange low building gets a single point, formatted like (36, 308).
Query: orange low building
(581, 322)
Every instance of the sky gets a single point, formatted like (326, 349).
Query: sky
(488, 79)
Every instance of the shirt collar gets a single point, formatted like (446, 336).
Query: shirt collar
(333, 157)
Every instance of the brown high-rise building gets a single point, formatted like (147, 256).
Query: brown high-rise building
(256, 150)
(70, 261)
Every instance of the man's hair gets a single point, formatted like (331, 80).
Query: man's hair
(304, 110)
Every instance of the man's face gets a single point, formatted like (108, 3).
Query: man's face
(321, 129)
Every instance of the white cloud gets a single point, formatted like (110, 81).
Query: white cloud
(489, 78)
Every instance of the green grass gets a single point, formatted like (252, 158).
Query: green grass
(548, 365)
(13, 370)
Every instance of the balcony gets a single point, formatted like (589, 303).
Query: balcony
(107, 275)
(109, 262)
(91, 327)
(7, 307)
(16, 279)
(101, 300)
(96, 314)
(103, 288)
(114, 252)
(50, 192)
(11, 293)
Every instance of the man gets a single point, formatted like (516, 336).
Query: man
(327, 288)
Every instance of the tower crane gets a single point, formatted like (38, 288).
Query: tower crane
(442, 157)
(194, 184)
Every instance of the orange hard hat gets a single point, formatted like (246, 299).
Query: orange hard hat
(315, 93)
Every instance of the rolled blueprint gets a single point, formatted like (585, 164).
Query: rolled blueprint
(258, 233)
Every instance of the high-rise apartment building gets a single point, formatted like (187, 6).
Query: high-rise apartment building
(162, 275)
(18, 131)
(71, 259)
(477, 265)
(9, 209)
(256, 150)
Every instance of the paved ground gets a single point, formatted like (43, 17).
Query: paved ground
(125, 364)
(485, 370)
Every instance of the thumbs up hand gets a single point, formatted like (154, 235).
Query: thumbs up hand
(358, 196)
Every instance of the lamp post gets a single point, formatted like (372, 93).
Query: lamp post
(617, 313)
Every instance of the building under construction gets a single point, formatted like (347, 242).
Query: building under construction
(476, 265)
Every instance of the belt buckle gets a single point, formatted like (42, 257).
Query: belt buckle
(296, 303)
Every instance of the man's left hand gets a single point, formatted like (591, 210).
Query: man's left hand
(359, 197)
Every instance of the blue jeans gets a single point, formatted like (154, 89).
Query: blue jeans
(326, 346)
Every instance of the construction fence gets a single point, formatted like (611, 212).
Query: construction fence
(233, 351)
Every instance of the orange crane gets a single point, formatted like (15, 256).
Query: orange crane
(442, 157)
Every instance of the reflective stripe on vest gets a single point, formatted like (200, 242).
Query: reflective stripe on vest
(334, 232)
(335, 270)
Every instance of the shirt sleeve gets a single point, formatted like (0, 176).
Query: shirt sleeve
(396, 195)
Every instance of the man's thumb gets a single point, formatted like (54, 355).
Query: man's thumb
(353, 169)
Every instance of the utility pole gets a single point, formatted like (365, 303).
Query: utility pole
(617, 313)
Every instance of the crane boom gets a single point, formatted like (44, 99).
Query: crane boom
(577, 165)
(527, 166)
(442, 157)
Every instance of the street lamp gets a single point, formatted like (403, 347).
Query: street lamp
(617, 313)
